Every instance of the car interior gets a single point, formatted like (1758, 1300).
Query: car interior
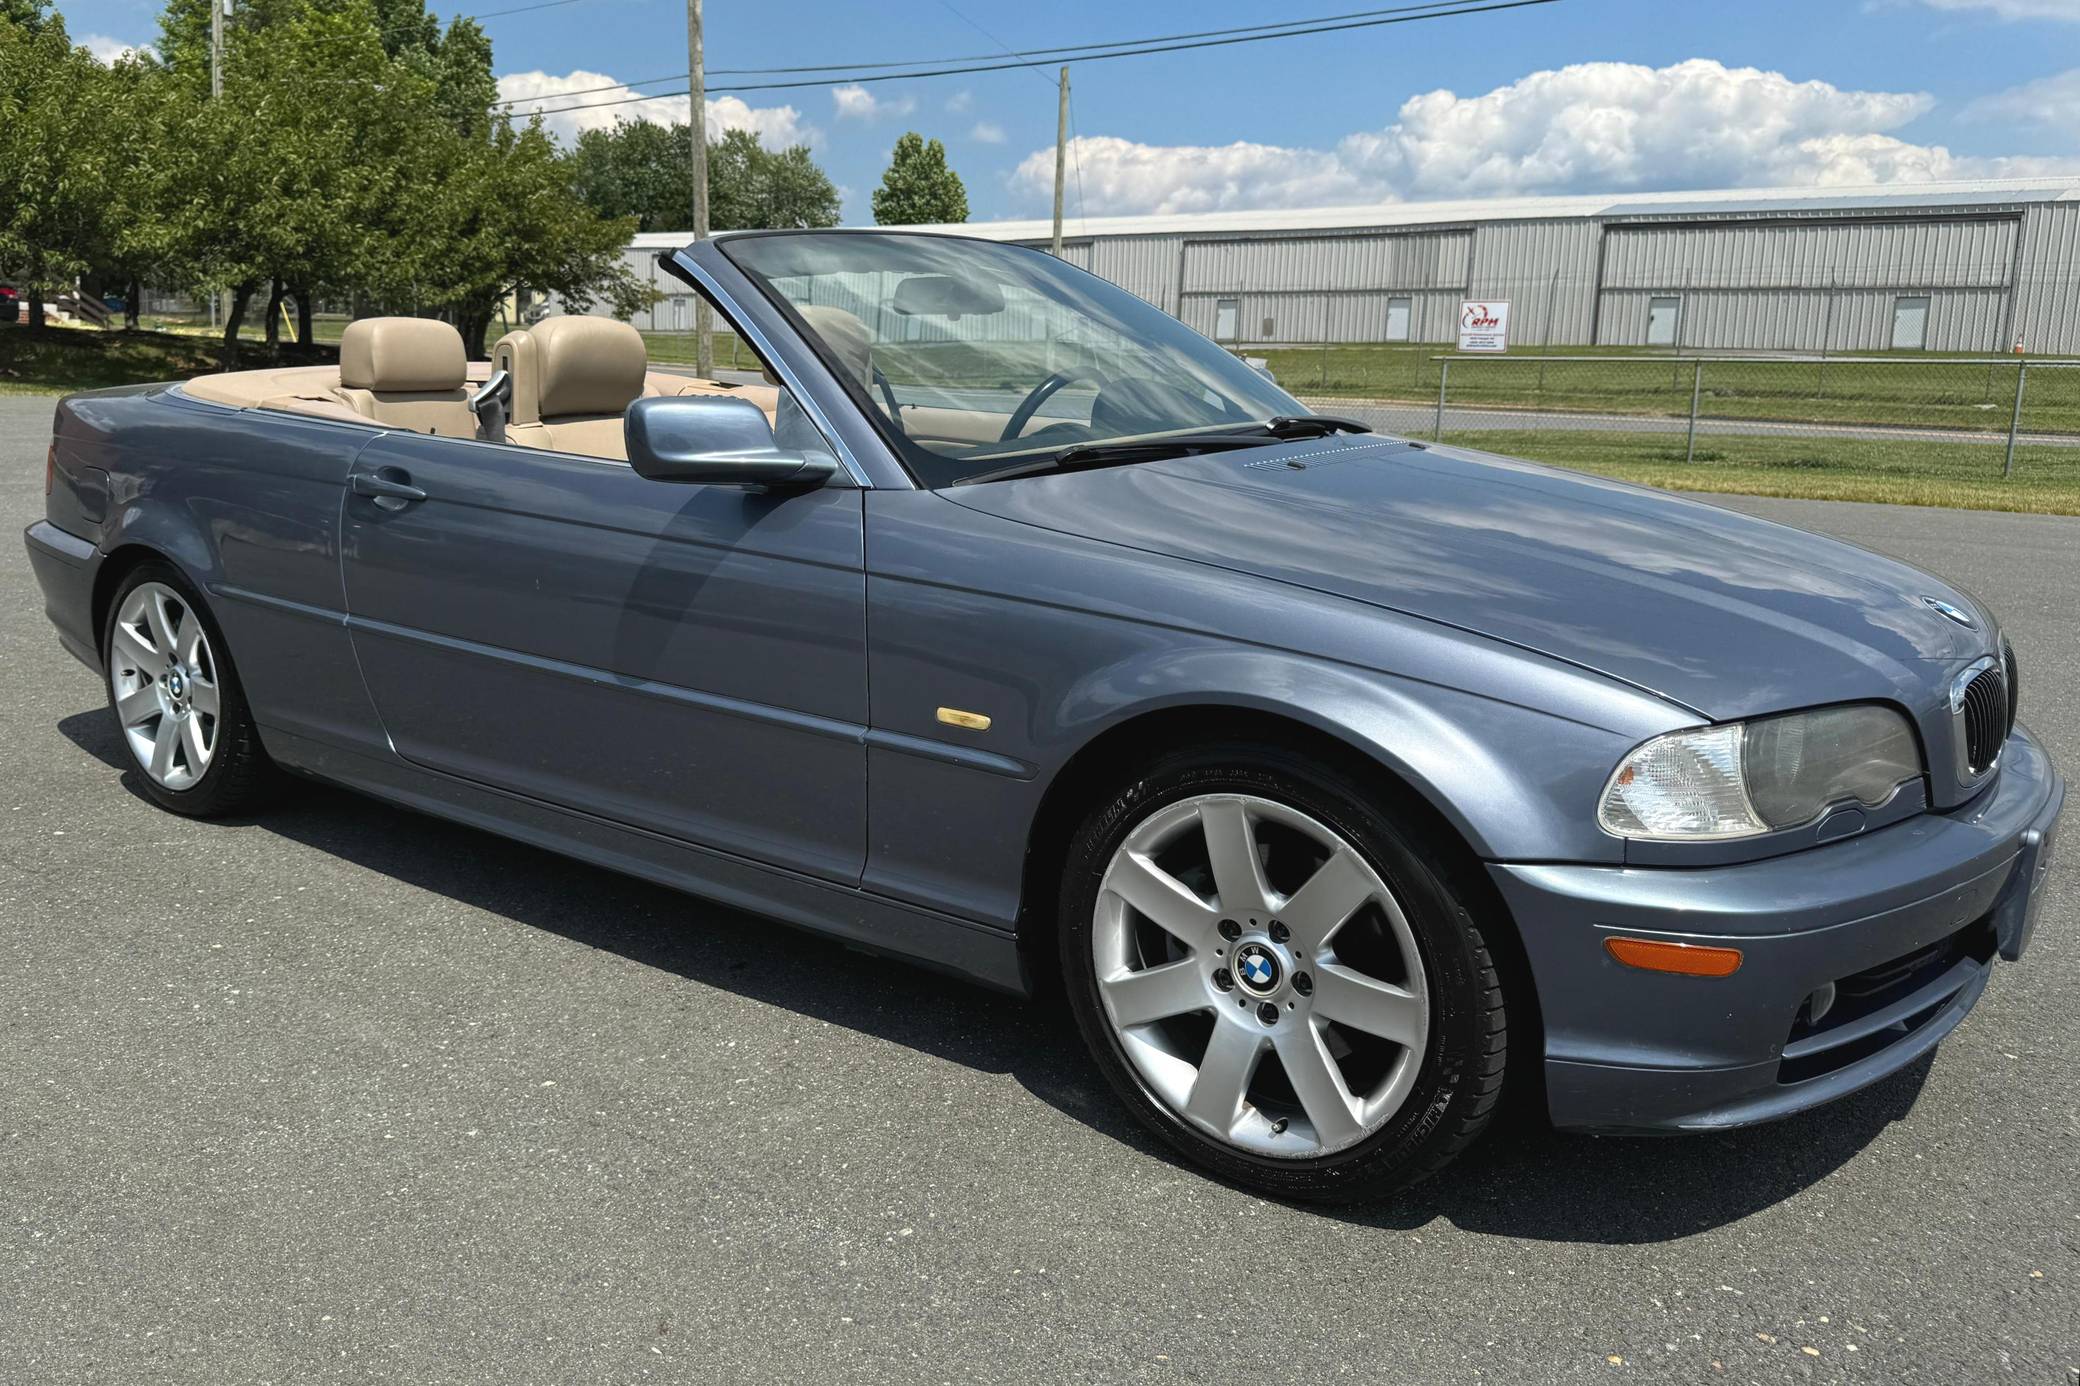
(570, 381)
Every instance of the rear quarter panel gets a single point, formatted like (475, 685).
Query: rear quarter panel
(246, 504)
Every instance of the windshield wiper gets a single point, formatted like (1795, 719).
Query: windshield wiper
(1085, 455)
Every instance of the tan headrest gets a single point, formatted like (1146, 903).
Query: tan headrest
(586, 366)
(405, 355)
(847, 337)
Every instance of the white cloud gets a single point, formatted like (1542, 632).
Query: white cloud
(1592, 127)
(987, 132)
(578, 101)
(960, 101)
(855, 102)
(1116, 175)
(106, 50)
(1621, 125)
(2014, 9)
(2051, 102)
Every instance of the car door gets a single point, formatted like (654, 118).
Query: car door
(689, 660)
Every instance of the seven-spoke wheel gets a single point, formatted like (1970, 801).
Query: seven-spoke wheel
(1260, 974)
(1268, 962)
(177, 698)
(162, 676)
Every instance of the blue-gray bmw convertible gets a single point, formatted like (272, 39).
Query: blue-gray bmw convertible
(1339, 785)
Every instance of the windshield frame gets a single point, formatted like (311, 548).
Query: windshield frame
(926, 467)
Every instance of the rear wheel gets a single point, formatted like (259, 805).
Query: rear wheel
(1277, 977)
(177, 699)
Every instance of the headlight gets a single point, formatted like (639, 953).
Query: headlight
(1747, 778)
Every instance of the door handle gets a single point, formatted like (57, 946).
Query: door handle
(392, 491)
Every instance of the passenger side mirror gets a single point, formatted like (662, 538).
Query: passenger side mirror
(715, 440)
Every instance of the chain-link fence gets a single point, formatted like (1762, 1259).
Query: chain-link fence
(1917, 424)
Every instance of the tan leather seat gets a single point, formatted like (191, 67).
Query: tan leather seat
(848, 339)
(407, 373)
(573, 380)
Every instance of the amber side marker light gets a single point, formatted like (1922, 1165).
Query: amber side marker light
(1684, 959)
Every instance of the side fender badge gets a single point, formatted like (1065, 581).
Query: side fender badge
(954, 717)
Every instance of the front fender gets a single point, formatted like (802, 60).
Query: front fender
(1066, 646)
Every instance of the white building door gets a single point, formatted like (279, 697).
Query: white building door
(1663, 314)
(1227, 319)
(1910, 323)
(1397, 319)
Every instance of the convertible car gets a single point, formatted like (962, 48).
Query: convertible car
(1338, 784)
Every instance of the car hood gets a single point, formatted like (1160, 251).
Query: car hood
(1727, 615)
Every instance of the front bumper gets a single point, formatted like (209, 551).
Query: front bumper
(1905, 922)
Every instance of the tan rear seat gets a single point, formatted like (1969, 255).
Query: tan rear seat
(407, 373)
(573, 380)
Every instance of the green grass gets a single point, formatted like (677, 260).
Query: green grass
(677, 349)
(2046, 479)
(60, 360)
(1911, 388)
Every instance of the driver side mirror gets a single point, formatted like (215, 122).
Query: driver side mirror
(714, 440)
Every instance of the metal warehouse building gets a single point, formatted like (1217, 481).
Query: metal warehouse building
(1959, 267)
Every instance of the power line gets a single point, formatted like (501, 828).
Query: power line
(1446, 9)
(1054, 54)
(1442, 7)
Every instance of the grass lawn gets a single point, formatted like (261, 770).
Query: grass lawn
(59, 360)
(1903, 388)
(2046, 479)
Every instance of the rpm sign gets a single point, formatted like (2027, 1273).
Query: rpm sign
(1484, 325)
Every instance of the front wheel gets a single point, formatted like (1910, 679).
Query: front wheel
(1276, 976)
(177, 699)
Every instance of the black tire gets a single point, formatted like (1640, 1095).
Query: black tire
(239, 775)
(1459, 1083)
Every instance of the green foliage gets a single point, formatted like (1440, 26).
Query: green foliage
(24, 14)
(752, 188)
(919, 188)
(355, 152)
(643, 170)
(55, 154)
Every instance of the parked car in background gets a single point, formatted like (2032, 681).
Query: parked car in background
(10, 304)
(1339, 784)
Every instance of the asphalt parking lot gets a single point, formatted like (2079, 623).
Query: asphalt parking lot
(339, 1093)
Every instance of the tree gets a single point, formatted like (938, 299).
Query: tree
(641, 170)
(507, 217)
(752, 188)
(25, 14)
(55, 147)
(919, 188)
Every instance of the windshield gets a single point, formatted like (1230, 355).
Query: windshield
(974, 357)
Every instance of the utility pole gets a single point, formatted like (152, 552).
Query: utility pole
(703, 325)
(216, 90)
(1061, 154)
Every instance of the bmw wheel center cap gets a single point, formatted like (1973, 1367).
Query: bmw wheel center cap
(1256, 967)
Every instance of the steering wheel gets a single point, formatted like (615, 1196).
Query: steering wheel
(1040, 394)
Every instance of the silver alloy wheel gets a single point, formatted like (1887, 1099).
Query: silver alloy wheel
(162, 677)
(1233, 906)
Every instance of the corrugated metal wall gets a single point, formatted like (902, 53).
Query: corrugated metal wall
(1546, 270)
(1781, 282)
(1145, 266)
(1921, 253)
(1846, 320)
(1402, 260)
(2046, 312)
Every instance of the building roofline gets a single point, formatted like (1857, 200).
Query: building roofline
(1933, 196)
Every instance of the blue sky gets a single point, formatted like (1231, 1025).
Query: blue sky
(1577, 96)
